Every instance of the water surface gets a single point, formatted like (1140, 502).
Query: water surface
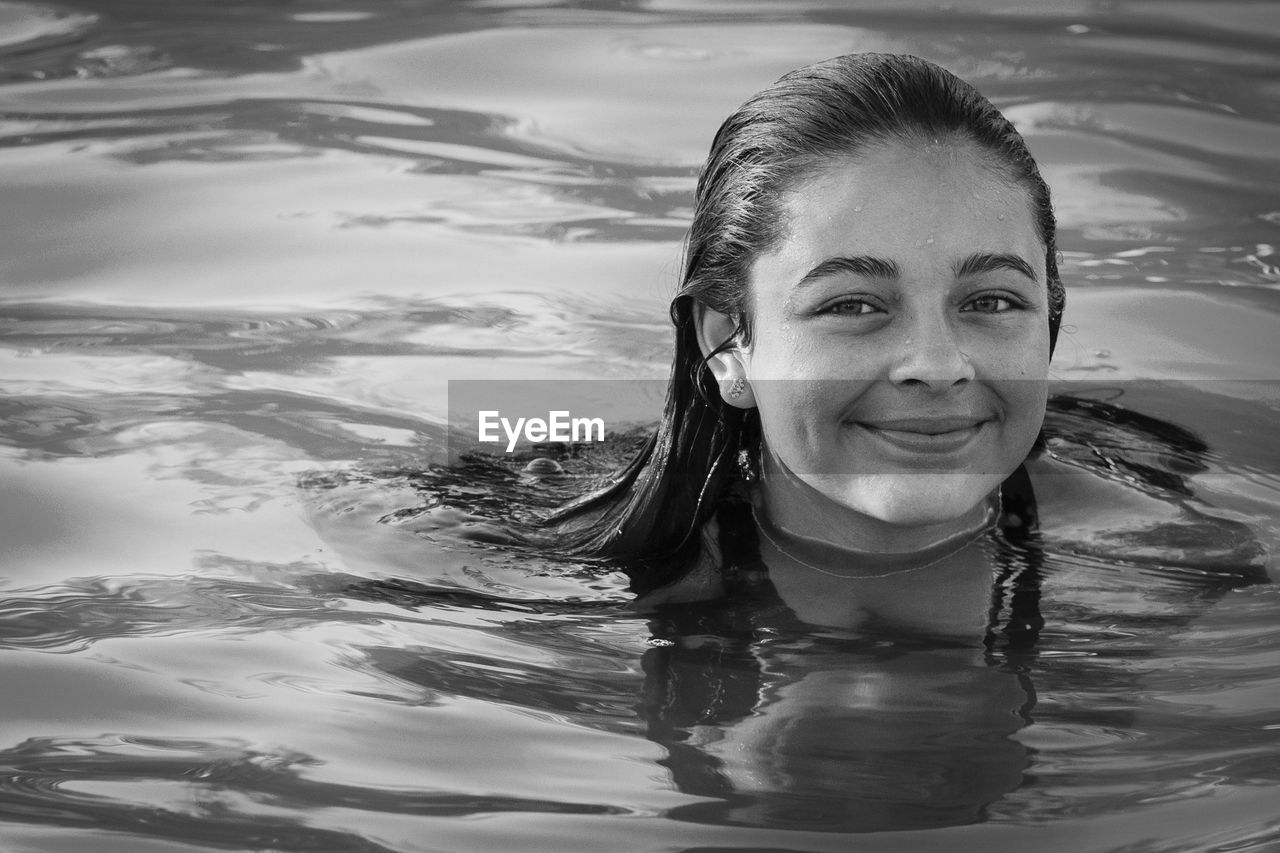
(248, 244)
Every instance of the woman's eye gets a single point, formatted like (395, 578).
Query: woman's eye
(849, 308)
(990, 304)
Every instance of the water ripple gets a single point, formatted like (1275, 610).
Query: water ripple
(223, 792)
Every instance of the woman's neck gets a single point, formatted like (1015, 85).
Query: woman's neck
(942, 589)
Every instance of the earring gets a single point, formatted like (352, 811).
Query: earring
(737, 387)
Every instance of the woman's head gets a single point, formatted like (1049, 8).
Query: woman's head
(873, 256)
(797, 166)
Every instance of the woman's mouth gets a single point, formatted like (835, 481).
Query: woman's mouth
(932, 435)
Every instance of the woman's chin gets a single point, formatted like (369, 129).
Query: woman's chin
(913, 500)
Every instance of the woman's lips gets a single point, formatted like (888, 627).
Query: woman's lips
(926, 435)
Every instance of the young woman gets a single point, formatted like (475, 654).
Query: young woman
(869, 303)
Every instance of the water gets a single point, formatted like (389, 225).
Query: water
(246, 245)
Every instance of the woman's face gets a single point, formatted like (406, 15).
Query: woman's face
(900, 334)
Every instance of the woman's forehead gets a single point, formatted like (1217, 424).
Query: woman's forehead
(909, 202)
(885, 173)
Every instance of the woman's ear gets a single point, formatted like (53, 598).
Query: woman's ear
(717, 334)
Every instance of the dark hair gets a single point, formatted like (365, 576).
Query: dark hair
(650, 514)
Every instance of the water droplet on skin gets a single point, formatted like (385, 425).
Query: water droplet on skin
(857, 208)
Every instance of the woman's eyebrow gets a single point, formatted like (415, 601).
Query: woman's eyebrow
(863, 265)
(982, 262)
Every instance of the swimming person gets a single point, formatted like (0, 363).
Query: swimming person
(869, 302)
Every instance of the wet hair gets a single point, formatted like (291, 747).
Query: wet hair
(651, 513)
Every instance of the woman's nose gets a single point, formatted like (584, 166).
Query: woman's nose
(930, 354)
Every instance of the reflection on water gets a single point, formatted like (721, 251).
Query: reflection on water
(838, 739)
(244, 605)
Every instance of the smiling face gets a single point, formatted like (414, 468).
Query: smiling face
(900, 344)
